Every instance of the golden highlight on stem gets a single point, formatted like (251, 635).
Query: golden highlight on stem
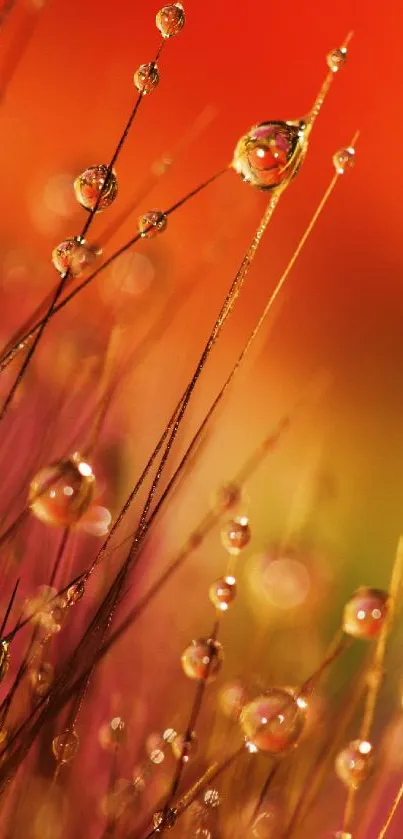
(391, 813)
(324, 91)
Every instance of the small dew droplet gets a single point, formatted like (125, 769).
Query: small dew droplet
(344, 159)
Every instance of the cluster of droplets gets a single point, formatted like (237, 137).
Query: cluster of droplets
(268, 156)
(123, 792)
(203, 658)
(159, 746)
(47, 611)
(364, 617)
(96, 188)
(271, 154)
(65, 746)
(62, 493)
(274, 721)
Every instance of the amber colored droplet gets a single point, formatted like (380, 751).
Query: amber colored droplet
(46, 610)
(152, 223)
(203, 659)
(169, 735)
(236, 535)
(155, 748)
(354, 763)
(58, 612)
(112, 734)
(337, 59)
(41, 677)
(343, 160)
(62, 492)
(170, 20)
(273, 722)
(183, 750)
(146, 78)
(365, 613)
(4, 659)
(118, 729)
(73, 256)
(75, 593)
(270, 153)
(91, 183)
(65, 746)
(223, 592)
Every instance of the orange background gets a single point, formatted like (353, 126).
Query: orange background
(337, 482)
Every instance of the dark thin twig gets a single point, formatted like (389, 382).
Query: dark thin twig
(9, 607)
(194, 715)
(66, 275)
(11, 353)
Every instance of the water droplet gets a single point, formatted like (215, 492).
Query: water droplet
(270, 153)
(152, 223)
(336, 59)
(343, 159)
(146, 78)
(170, 20)
(91, 182)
